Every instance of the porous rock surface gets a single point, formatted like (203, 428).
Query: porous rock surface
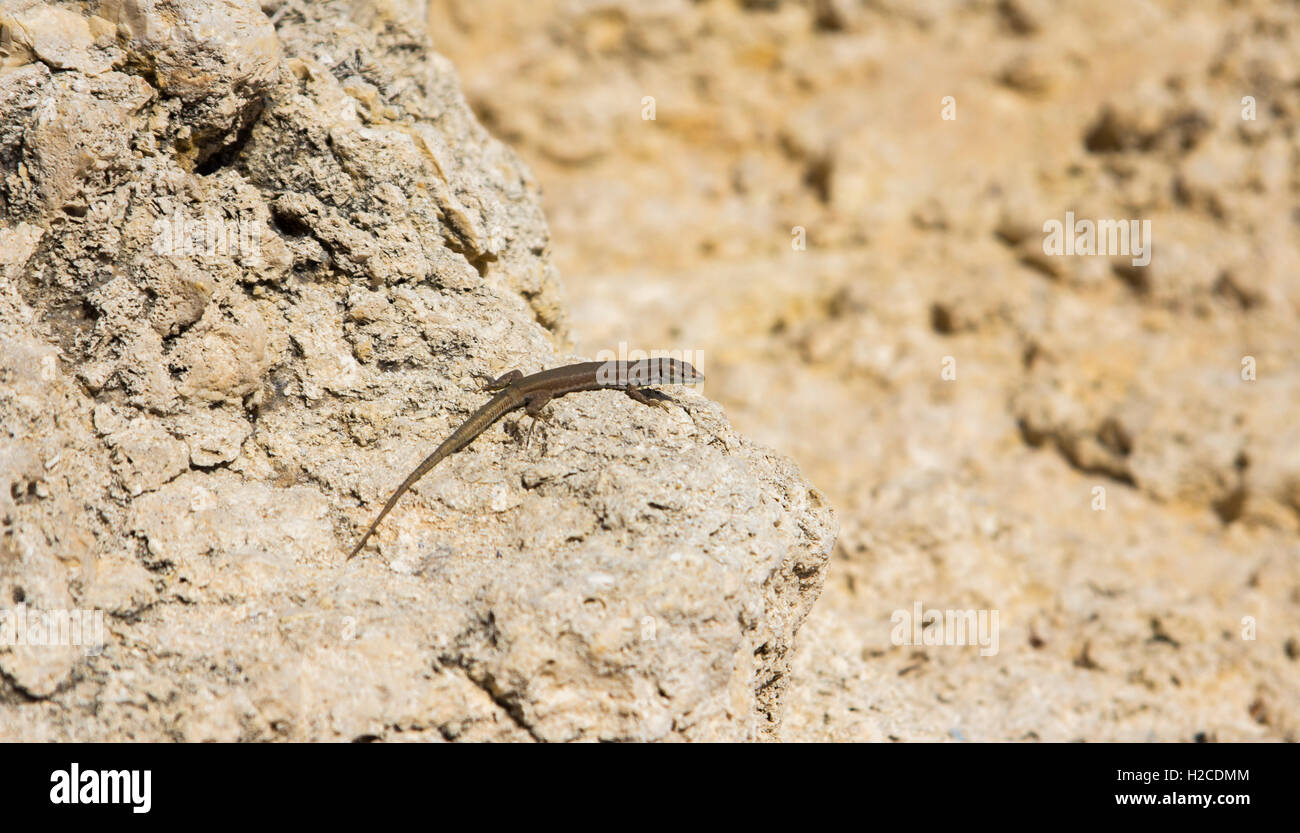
(255, 261)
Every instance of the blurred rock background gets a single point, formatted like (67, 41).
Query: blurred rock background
(1115, 467)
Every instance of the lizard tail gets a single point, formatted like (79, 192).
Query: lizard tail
(429, 462)
(460, 438)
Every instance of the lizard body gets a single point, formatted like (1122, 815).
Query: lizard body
(532, 393)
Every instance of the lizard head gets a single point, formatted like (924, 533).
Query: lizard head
(651, 371)
(674, 372)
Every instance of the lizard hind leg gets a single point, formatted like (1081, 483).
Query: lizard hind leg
(533, 406)
(503, 381)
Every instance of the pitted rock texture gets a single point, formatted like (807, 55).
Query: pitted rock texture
(255, 262)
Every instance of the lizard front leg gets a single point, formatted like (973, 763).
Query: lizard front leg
(648, 396)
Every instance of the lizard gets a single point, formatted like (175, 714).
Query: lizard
(532, 393)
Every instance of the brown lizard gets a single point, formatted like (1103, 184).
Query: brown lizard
(533, 392)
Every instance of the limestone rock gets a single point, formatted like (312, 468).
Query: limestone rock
(256, 258)
(843, 204)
